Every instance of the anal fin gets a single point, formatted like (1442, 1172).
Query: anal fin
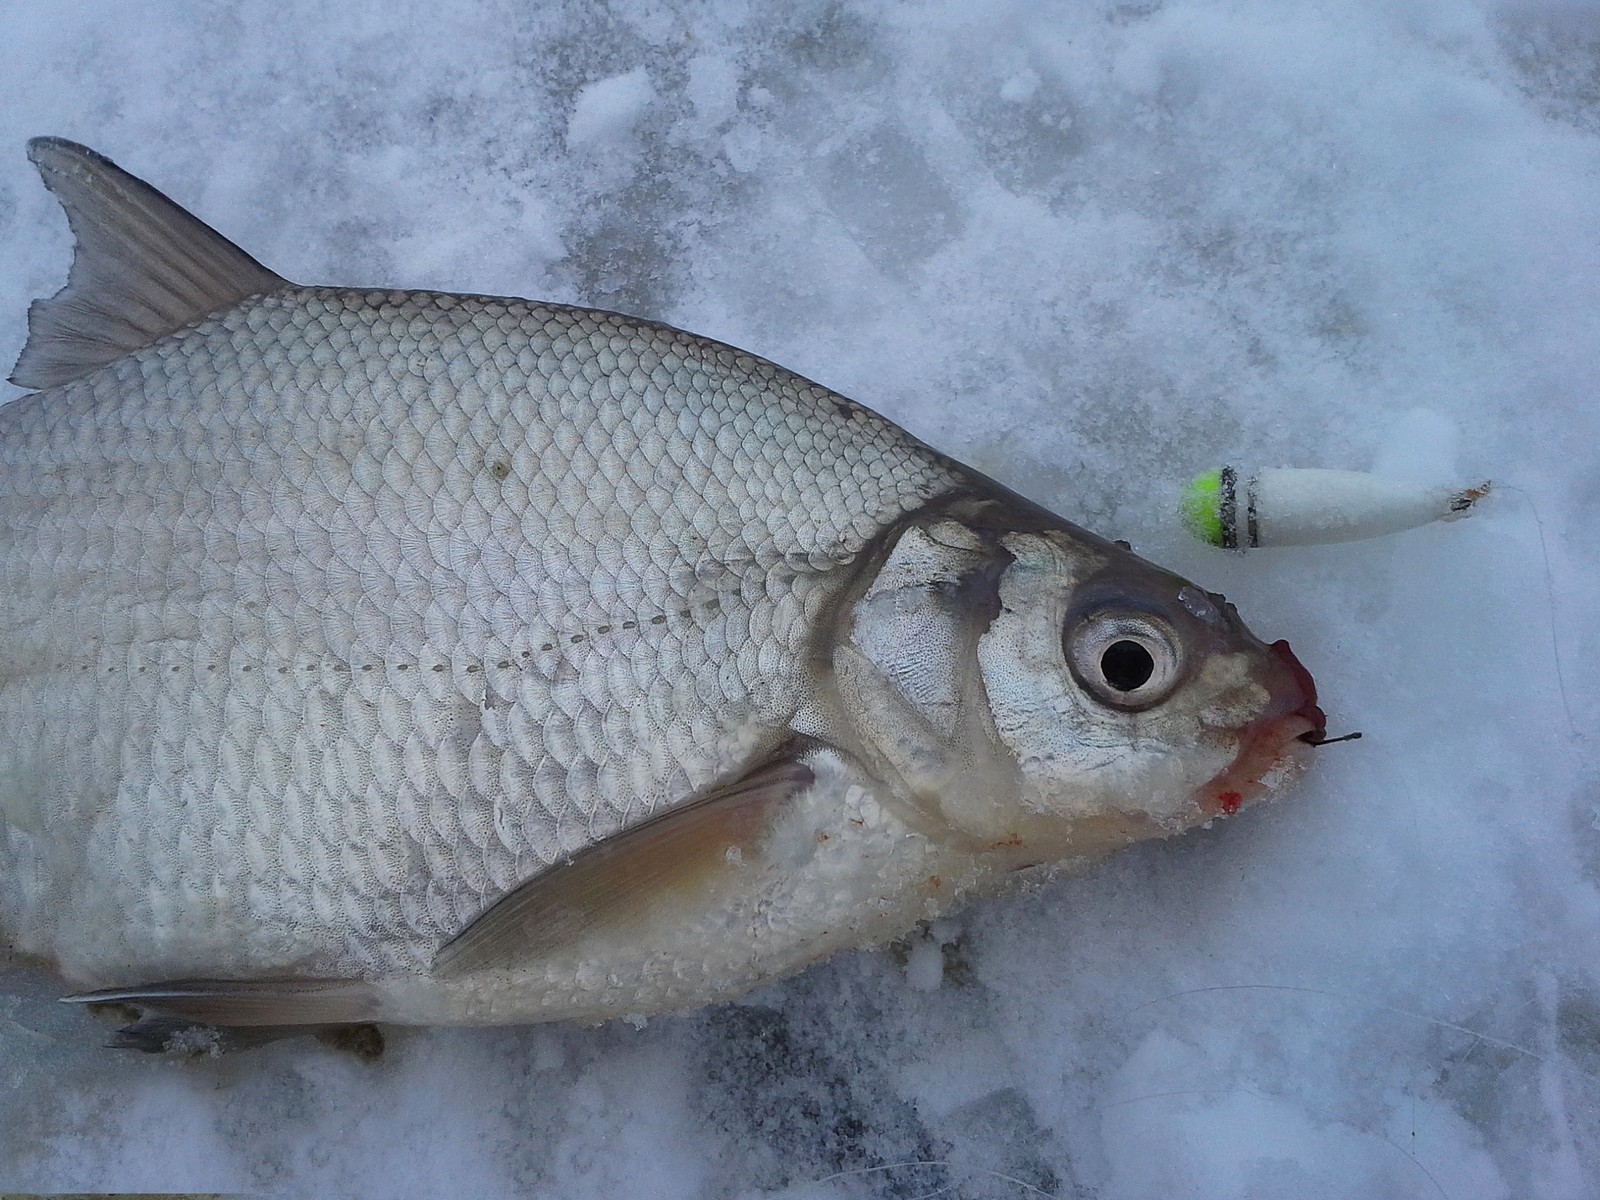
(245, 1002)
(616, 881)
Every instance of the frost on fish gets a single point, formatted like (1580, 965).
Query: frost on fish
(488, 660)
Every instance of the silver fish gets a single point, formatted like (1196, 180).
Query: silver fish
(401, 656)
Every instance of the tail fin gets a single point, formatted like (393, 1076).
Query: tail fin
(144, 268)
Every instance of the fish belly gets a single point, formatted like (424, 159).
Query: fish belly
(327, 621)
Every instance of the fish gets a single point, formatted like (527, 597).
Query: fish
(418, 658)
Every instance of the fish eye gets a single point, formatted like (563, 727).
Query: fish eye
(1125, 659)
(1127, 666)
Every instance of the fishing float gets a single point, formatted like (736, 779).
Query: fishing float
(1314, 506)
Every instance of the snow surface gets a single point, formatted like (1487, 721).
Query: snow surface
(1093, 249)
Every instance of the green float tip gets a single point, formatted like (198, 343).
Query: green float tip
(1202, 507)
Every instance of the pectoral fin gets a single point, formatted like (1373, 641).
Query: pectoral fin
(619, 879)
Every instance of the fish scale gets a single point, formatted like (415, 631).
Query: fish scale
(307, 548)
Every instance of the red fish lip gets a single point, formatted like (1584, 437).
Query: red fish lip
(1308, 689)
(1275, 747)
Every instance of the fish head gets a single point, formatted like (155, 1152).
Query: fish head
(1051, 695)
(1132, 701)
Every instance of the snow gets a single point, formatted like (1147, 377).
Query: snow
(1092, 249)
(606, 110)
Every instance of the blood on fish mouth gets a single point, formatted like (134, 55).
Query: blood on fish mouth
(1272, 747)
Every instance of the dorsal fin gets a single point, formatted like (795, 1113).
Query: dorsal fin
(143, 268)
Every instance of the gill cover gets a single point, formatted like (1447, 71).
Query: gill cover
(910, 683)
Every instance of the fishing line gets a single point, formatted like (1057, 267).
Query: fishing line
(1550, 596)
(1371, 1007)
(1271, 1098)
(933, 1162)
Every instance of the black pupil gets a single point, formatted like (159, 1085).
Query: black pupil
(1127, 666)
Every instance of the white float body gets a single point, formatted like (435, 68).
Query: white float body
(1308, 506)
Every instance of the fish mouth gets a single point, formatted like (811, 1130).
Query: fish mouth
(1276, 747)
